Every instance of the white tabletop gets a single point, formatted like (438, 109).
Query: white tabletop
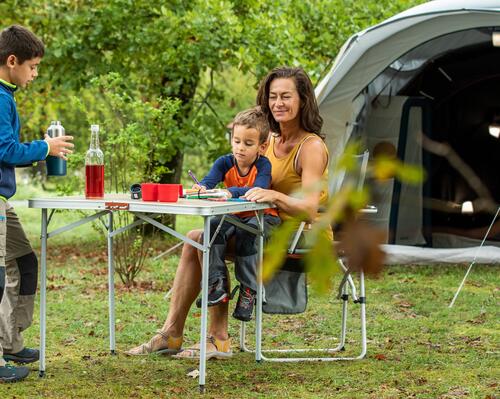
(181, 207)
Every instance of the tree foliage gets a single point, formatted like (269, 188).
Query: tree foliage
(163, 79)
(178, 50)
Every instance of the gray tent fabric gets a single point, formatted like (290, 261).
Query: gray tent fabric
(366, 54)
(403, 254)
(363, 97)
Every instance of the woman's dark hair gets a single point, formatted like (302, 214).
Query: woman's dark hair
(310, 119)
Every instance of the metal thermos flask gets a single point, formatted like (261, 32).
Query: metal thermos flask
(55, 166)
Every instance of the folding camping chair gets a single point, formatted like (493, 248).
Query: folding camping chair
(346, 285)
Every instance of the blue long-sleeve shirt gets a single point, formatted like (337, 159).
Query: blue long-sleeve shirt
(225, 169)
(12, 151)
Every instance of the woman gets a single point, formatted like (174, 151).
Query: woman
(299, 159)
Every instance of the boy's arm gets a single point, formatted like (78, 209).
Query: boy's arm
(216, 174)
(262, 180)
(14, 153)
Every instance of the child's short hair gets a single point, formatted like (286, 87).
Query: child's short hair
(21, 42)
(254, 118)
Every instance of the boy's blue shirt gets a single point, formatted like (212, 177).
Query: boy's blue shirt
(12, 151)
(226, 162)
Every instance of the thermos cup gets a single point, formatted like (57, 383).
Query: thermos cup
(55, 166)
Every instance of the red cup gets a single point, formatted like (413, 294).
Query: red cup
(149, 191)
(168, 192)
(181, 190)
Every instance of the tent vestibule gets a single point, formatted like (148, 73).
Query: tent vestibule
(432, 71)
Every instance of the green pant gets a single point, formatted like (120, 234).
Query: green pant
(21, 272)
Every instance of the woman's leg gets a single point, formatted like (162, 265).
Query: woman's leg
(185, 290)
(186, 287)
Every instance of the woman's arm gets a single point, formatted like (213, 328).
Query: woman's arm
(311, 164)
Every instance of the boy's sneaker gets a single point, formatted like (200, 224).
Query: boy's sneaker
(25, 355)
(217, 293)
(244, 306)
(10, 373)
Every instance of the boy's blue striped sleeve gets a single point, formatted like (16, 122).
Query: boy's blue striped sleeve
(216, 174)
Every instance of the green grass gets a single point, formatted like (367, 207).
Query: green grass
(417, 347)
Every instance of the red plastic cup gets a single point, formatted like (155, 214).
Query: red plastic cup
(168, 192)
(149, 191)
(181, 190)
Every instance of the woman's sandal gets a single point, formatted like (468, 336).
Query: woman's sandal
(216, 349)
(161, 343)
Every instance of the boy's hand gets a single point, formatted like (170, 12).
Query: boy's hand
(227, 193)
(201, 189)
(59, 146)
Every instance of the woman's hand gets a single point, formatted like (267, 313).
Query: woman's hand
(258, 194)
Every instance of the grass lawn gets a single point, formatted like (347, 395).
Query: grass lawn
(417, 348)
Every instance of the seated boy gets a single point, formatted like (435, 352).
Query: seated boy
(241, 170)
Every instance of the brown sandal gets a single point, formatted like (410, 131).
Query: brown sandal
(160, 343)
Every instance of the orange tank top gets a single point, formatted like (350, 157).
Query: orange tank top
(285, 178)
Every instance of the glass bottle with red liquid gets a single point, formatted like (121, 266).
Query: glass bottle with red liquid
(94, 167)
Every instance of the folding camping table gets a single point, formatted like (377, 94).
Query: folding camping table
(144, 213)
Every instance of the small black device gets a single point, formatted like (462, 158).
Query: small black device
(135, 191)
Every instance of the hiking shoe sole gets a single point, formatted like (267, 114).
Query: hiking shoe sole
(19, 359)
(18, 374)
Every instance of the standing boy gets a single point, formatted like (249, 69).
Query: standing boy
(20, 54)
(241, 170)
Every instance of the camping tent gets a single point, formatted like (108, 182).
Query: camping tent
(433, 69)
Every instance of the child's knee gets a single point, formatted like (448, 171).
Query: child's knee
(2, 281)
(28, 270)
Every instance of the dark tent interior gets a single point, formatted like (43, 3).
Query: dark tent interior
(463, 91)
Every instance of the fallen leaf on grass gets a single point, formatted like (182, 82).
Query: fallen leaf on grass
(177, 390)
(53, 287)
(69, 341)
(479, 319)
(455, 392)
(194, 373)
(405, 304)
(431, 345)
(380, 356)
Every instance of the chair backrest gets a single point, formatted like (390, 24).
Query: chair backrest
(355, 177)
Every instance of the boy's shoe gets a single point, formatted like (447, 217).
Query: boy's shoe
(10, 373)
(244, 306)
(217, 293)
(25, 355)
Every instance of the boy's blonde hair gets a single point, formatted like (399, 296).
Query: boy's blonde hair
(253, 118)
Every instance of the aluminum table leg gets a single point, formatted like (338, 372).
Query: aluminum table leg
(43, 293)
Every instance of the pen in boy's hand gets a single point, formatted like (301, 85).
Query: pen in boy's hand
(192, 176)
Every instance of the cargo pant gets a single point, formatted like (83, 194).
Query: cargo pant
(19, 266)
(245, 249)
